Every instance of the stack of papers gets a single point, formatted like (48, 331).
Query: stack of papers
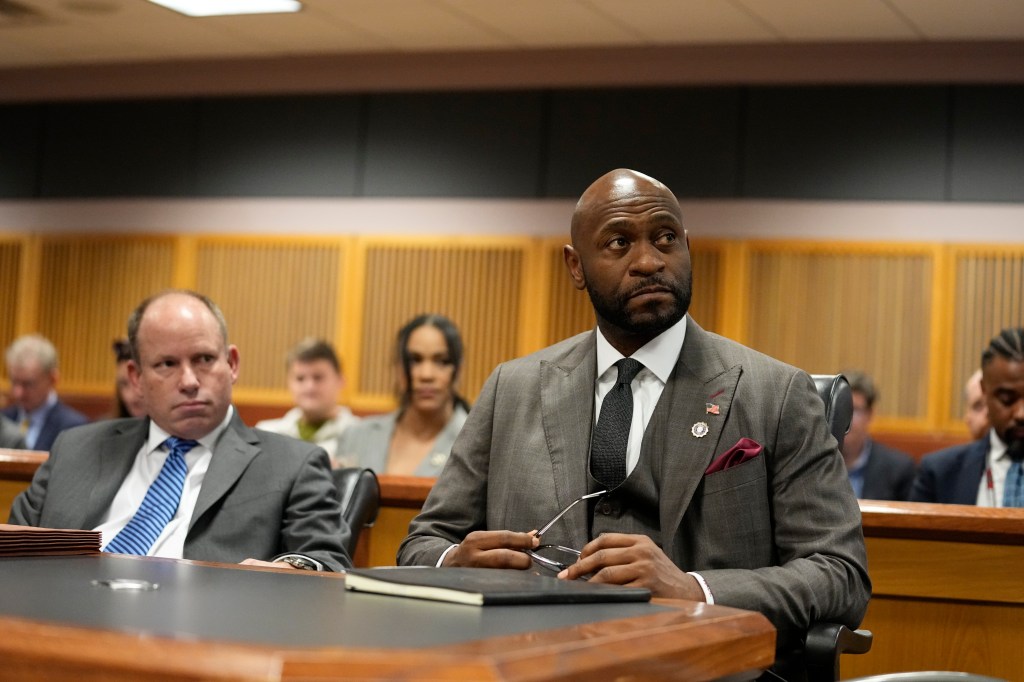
(28, 541)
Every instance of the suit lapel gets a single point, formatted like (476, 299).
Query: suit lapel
(567, 406)
(112, 467)
(233, 452)
(700, 378)
(973, 470)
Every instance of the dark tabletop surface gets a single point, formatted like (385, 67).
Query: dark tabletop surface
(261, 607)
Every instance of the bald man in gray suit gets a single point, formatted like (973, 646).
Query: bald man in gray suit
(734, 490)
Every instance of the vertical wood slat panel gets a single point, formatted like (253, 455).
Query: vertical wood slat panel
(706, 265)
(824, 311)
(988, 298)
(476, 284)
(10, 273)
(89, 286)
(568, 309)
(273, 293)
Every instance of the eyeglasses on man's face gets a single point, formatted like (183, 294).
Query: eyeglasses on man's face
(556, 557)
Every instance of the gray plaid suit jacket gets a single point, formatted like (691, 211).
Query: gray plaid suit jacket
(779, 534)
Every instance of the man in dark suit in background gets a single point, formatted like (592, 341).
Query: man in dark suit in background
(877, 472)
(191, 481)
(985, 472)
(729, 489)
(32, 368)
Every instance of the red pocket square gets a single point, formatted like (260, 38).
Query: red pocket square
(745, 449)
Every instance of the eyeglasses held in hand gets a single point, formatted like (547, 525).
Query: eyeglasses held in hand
(556, 557)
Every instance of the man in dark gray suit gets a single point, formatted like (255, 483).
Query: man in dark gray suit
(245, 496)
(877, 472)
(734, 489)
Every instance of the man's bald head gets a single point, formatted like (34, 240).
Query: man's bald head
(621, 183)
(630, 253)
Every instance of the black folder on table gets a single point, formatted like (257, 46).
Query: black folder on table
(484, 586)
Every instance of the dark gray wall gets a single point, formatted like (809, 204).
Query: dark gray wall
(929, 143)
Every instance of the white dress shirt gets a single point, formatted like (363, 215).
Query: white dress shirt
(148, 463)
(659, 357)
(993, 481)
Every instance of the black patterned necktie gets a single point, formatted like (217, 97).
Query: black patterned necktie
(611, 435)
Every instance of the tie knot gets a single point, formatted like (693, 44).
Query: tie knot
(179, 446)
(628, 369)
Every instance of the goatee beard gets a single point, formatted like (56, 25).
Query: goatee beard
(615, 310)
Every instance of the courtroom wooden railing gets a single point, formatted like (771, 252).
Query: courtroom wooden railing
(947, 592)
(20, 465)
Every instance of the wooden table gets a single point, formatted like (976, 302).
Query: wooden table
(209, 621)
(16, 470)
(948, 589)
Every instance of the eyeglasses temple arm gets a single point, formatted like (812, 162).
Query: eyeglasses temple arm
(564, 511)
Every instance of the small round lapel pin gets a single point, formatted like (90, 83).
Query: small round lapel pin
(700, 429)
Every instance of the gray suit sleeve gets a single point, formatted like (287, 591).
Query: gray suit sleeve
(457, 503)
(27, 507)
(821, 571)
(312, 525)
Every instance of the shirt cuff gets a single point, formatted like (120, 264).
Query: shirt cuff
(708, 597)
(443, 555)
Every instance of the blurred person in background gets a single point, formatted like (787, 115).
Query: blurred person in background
(988, 471)
(315, 381)
(975, 409)
(416, 439)
(877, 472)
(127, 398)
(33, 370)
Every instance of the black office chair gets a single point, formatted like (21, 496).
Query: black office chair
(827, 641)
(360, 500)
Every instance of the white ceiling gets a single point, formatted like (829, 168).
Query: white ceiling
(96, 32)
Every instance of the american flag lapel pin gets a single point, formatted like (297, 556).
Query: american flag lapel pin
(713, 408)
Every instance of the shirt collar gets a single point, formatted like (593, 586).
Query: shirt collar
(659, 355)
(157, 436)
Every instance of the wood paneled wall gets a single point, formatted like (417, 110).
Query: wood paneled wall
(10, 271)
(915, 316)
(829, 307)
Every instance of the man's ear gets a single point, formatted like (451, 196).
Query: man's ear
(134, 375)
(233, 358)
(572, 262)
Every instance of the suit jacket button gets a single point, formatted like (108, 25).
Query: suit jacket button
(604, 508)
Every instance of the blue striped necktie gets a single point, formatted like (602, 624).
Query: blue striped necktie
(1013, 491)
(159, 505)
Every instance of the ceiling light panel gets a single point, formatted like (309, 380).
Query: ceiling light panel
(219, 8)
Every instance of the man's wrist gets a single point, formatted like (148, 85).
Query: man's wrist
(303, 563)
